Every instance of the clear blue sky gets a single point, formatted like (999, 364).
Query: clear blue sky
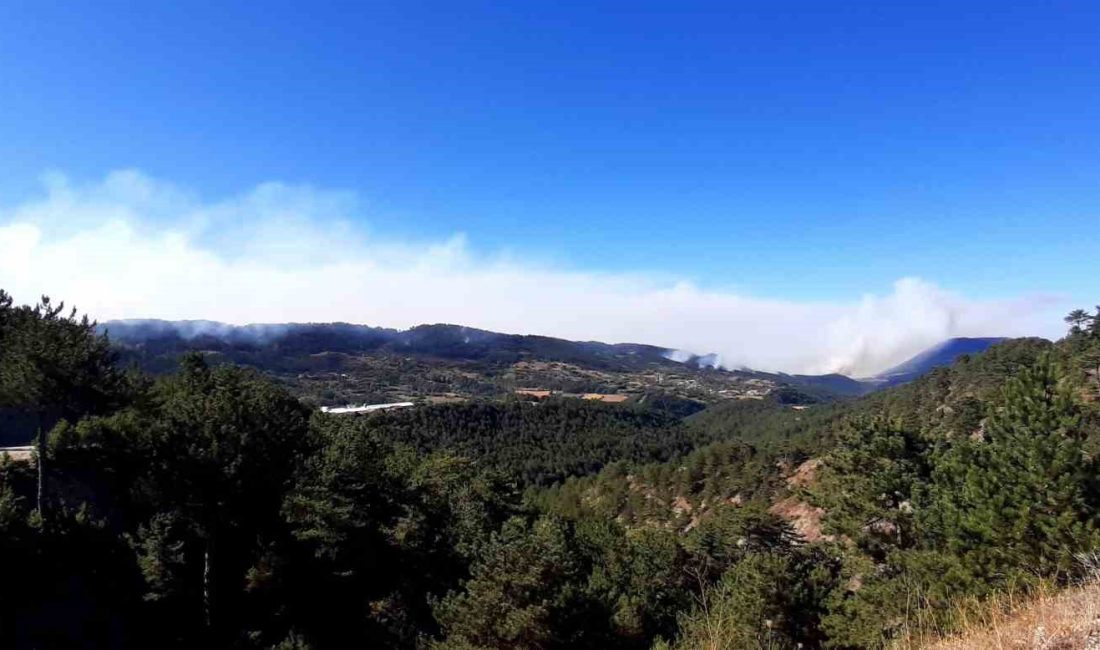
(803, 150)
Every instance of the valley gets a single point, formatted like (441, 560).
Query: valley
(634, 501)
(549, 326)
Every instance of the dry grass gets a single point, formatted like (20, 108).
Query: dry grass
(1048, 619)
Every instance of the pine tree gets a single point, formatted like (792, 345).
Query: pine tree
(1020, 499)
(525, 592)
(54, 367)
(869, 482)
(1079, 321)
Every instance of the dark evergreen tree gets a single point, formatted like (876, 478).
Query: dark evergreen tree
(1020, 498)
(869, 484)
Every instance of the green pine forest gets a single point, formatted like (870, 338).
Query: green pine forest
(210, 507)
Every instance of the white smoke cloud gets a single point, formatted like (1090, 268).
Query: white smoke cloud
(131, 247)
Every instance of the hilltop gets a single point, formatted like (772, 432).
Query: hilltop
(337, 363)
(943, 354)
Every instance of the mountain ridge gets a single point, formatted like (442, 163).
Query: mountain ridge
(942, 354)
(329, 352)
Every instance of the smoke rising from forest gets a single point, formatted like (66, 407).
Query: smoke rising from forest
(131, 246)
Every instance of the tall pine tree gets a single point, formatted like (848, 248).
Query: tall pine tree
(1019, 499)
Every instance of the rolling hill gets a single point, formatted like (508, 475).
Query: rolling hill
(335, 363)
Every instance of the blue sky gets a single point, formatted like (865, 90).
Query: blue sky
(802, 151)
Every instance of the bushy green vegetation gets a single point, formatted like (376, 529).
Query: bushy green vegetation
(976, 478)
(212, 508)
(538, 443)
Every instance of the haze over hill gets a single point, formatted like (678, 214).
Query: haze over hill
(334, 361)
(943, 354)
(132, 245)
(553, 326)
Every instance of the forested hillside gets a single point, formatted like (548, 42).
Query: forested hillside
(975, 479)
(537, 443)
(341, 363)
(759, 443)
(211, 507)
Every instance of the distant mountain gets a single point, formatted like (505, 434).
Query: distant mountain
(335, 362)
(943, 354)
(441, 341)
(338, 361)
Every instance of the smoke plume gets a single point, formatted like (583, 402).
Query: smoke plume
(134, 247)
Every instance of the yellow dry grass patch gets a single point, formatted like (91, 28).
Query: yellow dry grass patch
(1049, 620)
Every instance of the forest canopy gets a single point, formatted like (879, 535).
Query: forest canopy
(211, 507)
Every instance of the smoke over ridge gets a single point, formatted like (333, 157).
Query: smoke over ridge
(131, 246)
